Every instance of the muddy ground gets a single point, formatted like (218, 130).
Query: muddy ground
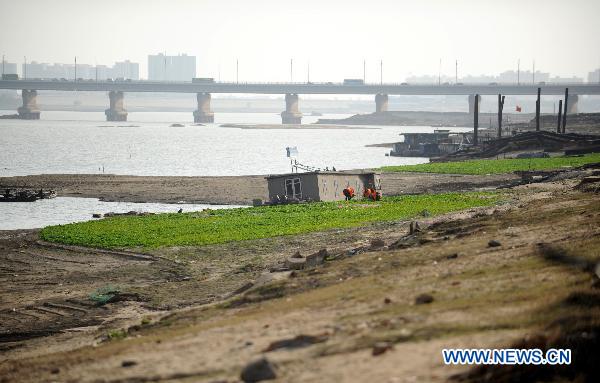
(203, 313)
(224, 190)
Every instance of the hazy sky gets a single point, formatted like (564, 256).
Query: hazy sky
(486, 36)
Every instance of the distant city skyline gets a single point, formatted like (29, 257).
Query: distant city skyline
(189, 72)
(332, 37)
(33, 69)
(182, 67)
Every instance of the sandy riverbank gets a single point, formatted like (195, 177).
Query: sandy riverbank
(293, 126)
(239, 190)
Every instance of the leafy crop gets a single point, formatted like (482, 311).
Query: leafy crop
(497, 166)
(219, 226)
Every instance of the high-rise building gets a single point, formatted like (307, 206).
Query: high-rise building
(121, 70)
(594, 76)
(35, 69)
(171, 68)
(102, 72)
(9, 68)
(127, 70)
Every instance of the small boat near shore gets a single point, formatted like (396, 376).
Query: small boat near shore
(26, 195)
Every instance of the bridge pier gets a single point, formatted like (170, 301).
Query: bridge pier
(29, 110)
(116, 112)
(572, 104)
(291, 115)
(381, 103)
(472, 103)
(203, 113)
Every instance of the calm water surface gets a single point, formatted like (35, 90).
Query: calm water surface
(82, 142)
(61, 210)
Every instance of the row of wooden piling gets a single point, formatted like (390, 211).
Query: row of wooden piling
(561, 121)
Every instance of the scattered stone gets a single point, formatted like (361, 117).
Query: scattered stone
(177, 125)
(55, 370)
(425, 213)
(180, 210)
(423, 299)
(353, 252)
(258, 370)
(96, 215)
(297, 342)
(452, 256)
(128, 363)
(297, 255)
(295, 263)
(377, 243)
(387, 301)
(381, 348)
(494, 243)
(316, 258)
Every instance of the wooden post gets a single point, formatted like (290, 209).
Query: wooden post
(475, 119)
(500, 109)
(537, 111)
(558, 130)
(564, 121)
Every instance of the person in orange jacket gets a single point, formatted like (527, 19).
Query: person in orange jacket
(348, 193)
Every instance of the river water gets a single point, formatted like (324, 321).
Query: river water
(61, 210)
(82, 142)
(147, 144)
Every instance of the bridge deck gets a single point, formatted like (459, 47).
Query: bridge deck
(300, 88)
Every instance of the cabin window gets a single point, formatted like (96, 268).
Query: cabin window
(293, 188)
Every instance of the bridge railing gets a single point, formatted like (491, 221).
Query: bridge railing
(303, 83)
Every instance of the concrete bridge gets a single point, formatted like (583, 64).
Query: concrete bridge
(292, 114)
